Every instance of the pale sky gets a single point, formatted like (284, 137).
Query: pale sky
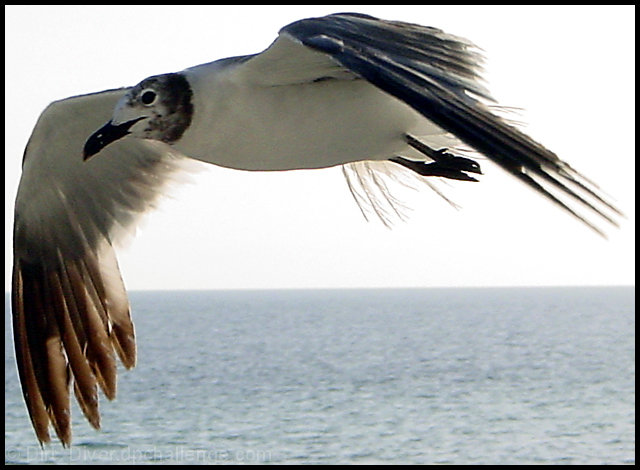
(572, 70)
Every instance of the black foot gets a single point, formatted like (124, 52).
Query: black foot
(444, 164)
(452, 168)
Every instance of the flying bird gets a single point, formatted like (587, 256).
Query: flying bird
(376, 97)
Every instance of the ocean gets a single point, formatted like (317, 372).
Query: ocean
(380, 376)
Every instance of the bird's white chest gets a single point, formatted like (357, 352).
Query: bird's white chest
(312, 125)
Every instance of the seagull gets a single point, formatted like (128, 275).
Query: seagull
(376, 97)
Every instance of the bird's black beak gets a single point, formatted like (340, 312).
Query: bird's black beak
(106, 135)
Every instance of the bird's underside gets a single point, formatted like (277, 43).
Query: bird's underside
(70, 310)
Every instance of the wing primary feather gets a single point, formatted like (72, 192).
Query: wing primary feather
(49, 393)
(99, 351)
(111, 296)
(59, 380)
(106, 294)
(85, 385)
(534, 184)
(21, 282)
(478, 128)
(374, 50)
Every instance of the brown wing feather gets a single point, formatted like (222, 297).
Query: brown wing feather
(70, 309)
(24, 358)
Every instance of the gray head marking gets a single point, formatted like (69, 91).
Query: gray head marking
(158, 108)
(166, 100)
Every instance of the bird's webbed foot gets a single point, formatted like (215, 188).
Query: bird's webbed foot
(444, 164)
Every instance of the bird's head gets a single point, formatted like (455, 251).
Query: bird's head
(158, 108)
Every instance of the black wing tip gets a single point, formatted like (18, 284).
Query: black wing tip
(446, 97)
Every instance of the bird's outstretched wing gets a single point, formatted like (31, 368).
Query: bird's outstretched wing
(438, 75)
(70, 307)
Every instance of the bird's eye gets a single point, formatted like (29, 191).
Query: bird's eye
(148, 97)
